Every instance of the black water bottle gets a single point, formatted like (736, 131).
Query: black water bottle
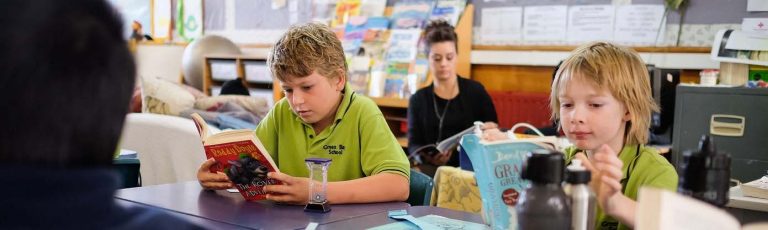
(543, 205)
(705, 174)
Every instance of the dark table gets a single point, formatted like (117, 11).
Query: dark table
(382, 218)
(230, 208)
(205, 223)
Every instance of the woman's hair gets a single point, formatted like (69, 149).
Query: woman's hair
(67, 77)
(440, 31)
(621, 72)
(306, 48)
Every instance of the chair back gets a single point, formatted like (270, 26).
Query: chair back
(168, 147)
(456, 189)
(421, 189)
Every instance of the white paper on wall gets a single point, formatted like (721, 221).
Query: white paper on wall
(590, 23)
(502, 24)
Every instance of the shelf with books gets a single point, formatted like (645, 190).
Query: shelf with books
(251, 70)
(380, 86)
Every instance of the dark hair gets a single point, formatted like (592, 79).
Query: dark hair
(440, 31)
(66, 79)
(234, 87)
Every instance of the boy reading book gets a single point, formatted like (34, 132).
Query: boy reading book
(602, 97)
(320, 116)
(241, 157)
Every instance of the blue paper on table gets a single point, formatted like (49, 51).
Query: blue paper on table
(498, 167)
(440, 221)
(126, 153)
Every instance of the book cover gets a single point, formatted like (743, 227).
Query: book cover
(411, 14)
(448, 10)
(403, 45)
(241, 156)
(359, 69)
(344, 10)
(498, 167)
(395, 81)
(355, 28)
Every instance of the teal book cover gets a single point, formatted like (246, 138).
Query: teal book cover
(498, 167)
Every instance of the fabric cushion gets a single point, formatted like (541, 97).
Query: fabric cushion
(257, 106)
(456, 189)
(164, 97)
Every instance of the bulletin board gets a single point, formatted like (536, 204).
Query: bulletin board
(703, 18)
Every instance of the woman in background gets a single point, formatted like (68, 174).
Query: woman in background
(449, 105)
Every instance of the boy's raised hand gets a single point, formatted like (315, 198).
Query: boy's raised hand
(494, 134)
(294, 190)
(606, 177)
(211, 180)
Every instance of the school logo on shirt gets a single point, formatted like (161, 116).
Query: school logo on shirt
(334, 149)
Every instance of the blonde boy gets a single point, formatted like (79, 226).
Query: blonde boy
(321, 117)
(602, 97)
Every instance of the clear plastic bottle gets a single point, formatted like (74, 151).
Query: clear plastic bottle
(583, 201)
(543, 205)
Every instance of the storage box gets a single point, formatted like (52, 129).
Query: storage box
(257, 72)
(223, 70)
(215, 90)
(263, 93)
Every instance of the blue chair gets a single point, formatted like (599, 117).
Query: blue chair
(421, 189)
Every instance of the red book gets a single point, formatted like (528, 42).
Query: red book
(241, 156)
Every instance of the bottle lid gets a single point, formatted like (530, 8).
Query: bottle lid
(544, 166)
(478, 128)
(576, 173)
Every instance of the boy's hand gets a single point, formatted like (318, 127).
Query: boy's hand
(494, 134)
(489, 125)
(212, 180)
(606, 177)
(294, 190)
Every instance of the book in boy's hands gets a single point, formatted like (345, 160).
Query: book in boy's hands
(662, 209)
(241, 156)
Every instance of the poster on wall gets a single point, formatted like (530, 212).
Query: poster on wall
(638, 25)
(161, 18)
(502, 24)
(136, 16)
(189, 25)
(590, 23)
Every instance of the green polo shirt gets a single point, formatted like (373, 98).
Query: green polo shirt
(649, 169)
(359, 142)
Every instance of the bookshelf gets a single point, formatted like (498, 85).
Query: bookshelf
(395, 109)
(252, 70)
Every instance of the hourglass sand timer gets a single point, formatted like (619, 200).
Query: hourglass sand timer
(318, 175)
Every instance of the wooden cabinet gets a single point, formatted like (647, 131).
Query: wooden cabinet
(395, 112)
(251, 70)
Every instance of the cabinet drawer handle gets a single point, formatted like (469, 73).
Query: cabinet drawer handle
(727, 125)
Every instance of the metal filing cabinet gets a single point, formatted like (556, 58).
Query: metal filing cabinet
(737, 119)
